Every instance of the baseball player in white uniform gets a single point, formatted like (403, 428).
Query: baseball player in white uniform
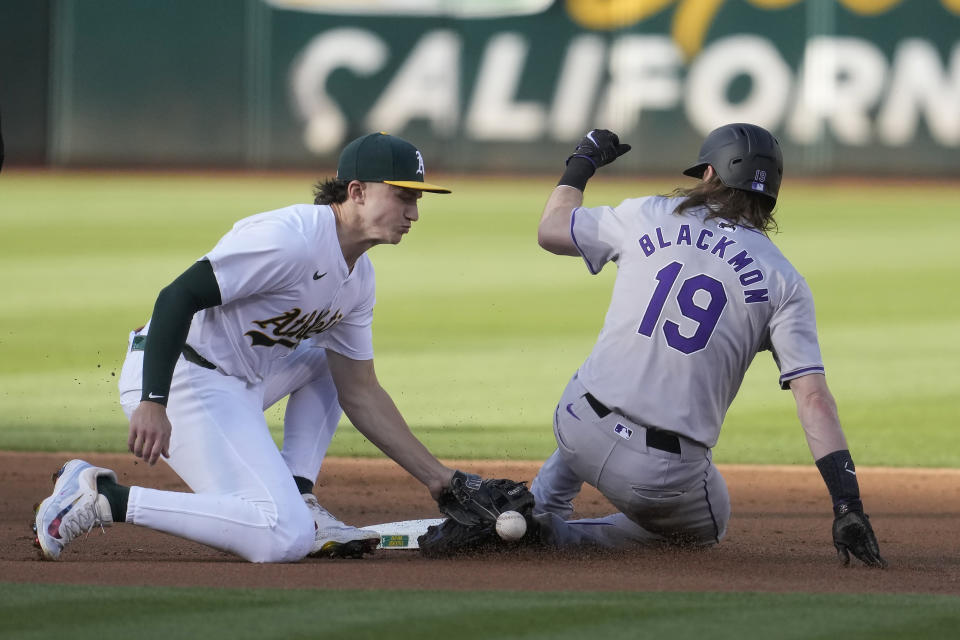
(281, 306)
(700, 290)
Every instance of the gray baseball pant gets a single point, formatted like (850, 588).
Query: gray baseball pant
(663, 497)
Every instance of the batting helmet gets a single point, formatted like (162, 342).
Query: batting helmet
(745, 157)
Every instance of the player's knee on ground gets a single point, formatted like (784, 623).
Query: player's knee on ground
(289, 540)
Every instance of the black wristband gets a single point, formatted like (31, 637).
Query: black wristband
(840, 476)
(579, 170)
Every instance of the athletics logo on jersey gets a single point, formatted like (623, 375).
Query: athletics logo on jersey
(624, 432)
(293, 326)
(419, 163)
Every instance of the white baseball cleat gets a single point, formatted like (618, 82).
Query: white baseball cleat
(334, 539)
(74, 508)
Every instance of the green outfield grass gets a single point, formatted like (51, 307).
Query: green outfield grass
(78, 612)
(476, 329)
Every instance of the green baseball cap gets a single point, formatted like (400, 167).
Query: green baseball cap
(380, 157)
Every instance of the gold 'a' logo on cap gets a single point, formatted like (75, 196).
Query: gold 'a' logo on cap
(419, 163)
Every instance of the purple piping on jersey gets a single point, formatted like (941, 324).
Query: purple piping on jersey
(716, 527)
(570, 411)
(798, 372)
(573, 218)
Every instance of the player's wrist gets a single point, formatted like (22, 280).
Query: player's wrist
(844, 506)
(840, 476)
(438, 484)
(579, 170)
(153, 398)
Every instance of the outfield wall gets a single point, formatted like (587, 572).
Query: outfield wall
(849, 86)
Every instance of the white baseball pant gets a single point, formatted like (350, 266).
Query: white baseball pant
(245, 500)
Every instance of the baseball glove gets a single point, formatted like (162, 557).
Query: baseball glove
(452, 538)
(472, 500)
(472, 504)
(852, 533)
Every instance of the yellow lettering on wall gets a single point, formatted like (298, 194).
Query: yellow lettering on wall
(692, 18)
(773, 4)
(869, 7)
(691, 22)
(613, 14)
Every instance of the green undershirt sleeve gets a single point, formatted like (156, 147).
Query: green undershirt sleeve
(195, 289)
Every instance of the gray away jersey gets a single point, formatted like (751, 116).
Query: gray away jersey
(693, 302)
(283, 281)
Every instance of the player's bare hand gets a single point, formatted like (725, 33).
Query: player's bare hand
(852, 533)
(601, 147)
(149, 432)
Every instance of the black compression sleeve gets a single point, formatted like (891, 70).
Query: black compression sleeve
(195, 289)
(579, 170)
(840, 476)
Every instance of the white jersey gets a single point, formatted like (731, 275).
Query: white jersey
(283, 280)
(693, 302)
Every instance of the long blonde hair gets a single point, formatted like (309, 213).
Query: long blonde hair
(733, 205)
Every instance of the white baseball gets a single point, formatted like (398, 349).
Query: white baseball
(511, 525)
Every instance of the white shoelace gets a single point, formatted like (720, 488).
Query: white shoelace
(79, 521)
(325, 519)
(320, 512)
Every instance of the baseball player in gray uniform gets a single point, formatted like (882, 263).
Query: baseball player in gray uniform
(700, 290)
(281, 306)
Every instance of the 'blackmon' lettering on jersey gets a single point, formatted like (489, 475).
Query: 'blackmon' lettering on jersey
(694, 301)
(705, 242)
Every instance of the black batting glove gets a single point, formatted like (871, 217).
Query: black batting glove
(852, 533)
(600, 147)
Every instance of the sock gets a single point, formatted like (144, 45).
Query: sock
(116, 495)
(304, 485)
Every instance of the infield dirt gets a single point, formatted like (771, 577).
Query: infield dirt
(778, 538)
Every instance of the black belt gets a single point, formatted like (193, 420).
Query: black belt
(190, 355)
(656, 439)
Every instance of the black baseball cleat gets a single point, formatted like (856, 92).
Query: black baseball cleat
(354, 549)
